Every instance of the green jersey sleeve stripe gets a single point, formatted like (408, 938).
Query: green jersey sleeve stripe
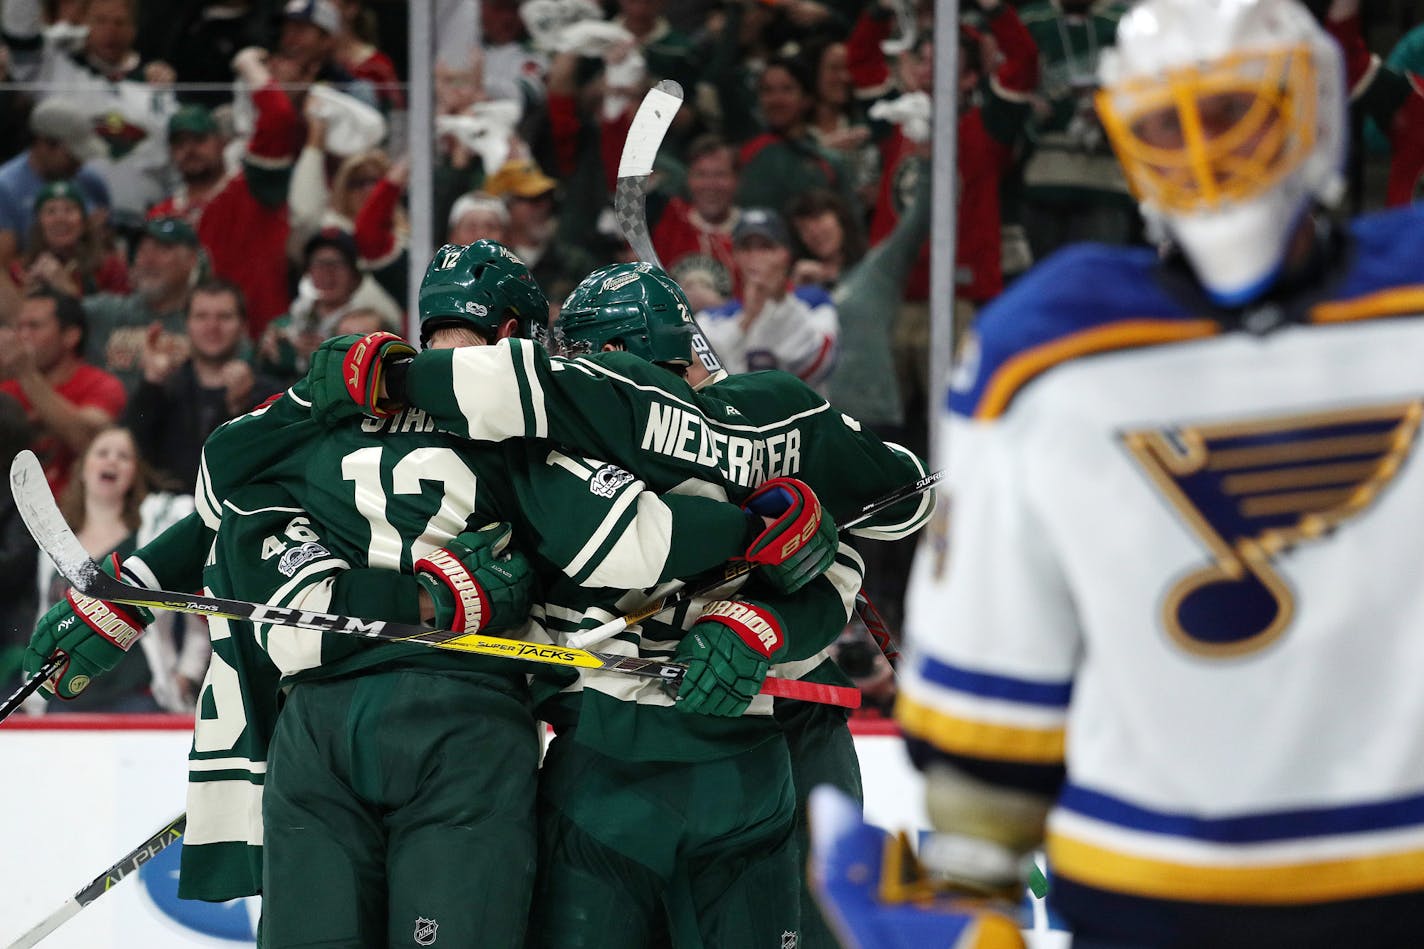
(637, 549)
(292, 649)
(227, 764)
(922, 512)
(531, 393)
(591, 566)
(204, 499)
(491, 394)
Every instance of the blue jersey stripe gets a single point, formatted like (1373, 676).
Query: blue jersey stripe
(1248, 828)
(990, 686)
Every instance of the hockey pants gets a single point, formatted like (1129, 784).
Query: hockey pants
(398, 811)
(709, 843)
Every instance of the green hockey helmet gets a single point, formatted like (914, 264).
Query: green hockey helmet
(636, 306)
(480, 287)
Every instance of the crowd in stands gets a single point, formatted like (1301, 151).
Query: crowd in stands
(193, 194)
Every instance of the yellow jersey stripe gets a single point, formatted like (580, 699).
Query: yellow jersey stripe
(1314, 882)
(1391, 302)
(1017, 371)
(978, 739)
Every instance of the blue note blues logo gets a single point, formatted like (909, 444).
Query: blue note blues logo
(231, 920)
(1253, 490)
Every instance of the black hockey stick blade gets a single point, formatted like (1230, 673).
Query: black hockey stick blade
(104, 882)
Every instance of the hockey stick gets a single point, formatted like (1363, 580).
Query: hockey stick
(105, 881)
(645, 136)
(47, 525)
(672, 597)
(28, 689)
(630, 204)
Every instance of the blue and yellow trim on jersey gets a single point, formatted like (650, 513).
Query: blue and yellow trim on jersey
(1382, 279)
(983, 734)
(1084, 300)
(1090, 299)
(1134, 850)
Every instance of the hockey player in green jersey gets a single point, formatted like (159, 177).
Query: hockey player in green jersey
(395, 495)
(635, 407)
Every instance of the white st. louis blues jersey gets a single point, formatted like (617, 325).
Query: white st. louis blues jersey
(1190, 563)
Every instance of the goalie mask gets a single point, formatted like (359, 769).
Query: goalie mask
(1228, 117)
(636, 307)
(480, 287)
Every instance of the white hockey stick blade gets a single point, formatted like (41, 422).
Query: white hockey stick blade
(40, 514)
(650, 125)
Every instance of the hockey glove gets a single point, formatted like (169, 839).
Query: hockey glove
(477, 584)
(800, 544)
(346, 375)
(92, 634)
(728, 653)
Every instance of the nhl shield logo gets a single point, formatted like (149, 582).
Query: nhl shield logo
(789, 939)
(425, 930)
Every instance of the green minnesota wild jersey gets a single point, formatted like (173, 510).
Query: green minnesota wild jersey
(734, 435)
(721, 441)
(357, 504)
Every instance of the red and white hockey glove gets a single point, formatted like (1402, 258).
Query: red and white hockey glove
(347, 372)
(92, 634)
(800, 544)
(728, 653)
(476, 583)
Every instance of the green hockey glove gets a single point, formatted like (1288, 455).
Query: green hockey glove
(477, 584)
(92, 634)
(346, 375)
(800, 544)
(728, 653)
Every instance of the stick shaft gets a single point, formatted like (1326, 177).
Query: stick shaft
(105, 881)
(55, 537)
(35, 681)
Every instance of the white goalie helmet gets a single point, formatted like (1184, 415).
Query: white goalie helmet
(1229, 119)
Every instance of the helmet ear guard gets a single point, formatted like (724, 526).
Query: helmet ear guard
(1229, 120)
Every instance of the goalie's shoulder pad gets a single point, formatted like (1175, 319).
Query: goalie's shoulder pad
(1083, 300)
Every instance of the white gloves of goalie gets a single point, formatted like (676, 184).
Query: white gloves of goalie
(910, 111)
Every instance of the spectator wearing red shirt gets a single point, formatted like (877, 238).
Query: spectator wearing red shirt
(241, 219)
(67, 400)
(693, 237)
